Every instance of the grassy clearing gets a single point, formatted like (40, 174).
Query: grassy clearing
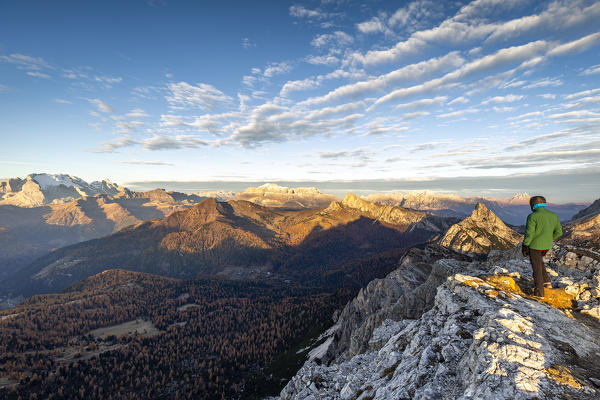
(139, 326)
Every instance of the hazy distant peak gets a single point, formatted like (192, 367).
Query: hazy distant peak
(274, 188)
(519, 198)
(273, 195)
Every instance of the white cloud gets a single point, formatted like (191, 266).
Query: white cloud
(544, 83)
(383, 82)
(559, 14)
(527, 115)
(503, 99)
(203, 96)
(303, 12)
(594, 69)
(458, 113)
(547, 96)
(501, 58)
(575, 46)
(62, 101)
(502, 109)
(162, 142)
(247, 43)
(137, 113)
(293, 86)
(26, 62)
(323, 60)
(374, 25)
(128, 127)
(37, 74)
(107, 80)
(337, 38)
(423, 102)
(102, 106)
(277, 69)
(582, 93)
(147, 163)
(110, 147)
(358, 153)
(415, 114)
(575, 114)
(462, 29)
(459, 100)
(341, 109)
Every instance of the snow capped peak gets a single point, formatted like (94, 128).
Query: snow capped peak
(48, 180)
(39, 189)
(520, 197)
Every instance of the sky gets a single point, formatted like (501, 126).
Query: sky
(423, 91)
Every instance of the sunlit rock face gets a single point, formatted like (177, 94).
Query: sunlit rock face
(480, 233)
(484, 337)
(390, 214)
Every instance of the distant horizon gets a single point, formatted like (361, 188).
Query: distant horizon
(557, 187)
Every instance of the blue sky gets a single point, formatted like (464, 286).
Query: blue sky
(308, 90)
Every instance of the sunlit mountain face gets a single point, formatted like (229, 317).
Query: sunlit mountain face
(413, 91)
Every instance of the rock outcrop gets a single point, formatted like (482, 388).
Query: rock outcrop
(480, 233)
(483, 337)
(407, 292)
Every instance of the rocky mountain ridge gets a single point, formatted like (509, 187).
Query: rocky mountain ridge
(480, 233)
(513, 210)
(463, 329)
(30, 232)
(584, 229)
(232, 238)
(592, 209)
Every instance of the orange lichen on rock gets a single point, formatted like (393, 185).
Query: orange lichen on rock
(505, 283)
(554, 297)
(558, 298)
(563, 375)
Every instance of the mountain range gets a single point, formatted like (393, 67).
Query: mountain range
(230, 298)
(234, 238)
(45, 212)
(513, 210)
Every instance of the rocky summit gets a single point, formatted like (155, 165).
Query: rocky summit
(480, 233)
(482, 336)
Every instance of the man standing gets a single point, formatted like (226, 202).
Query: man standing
(542, 229)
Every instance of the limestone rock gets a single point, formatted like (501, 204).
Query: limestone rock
(479, 340)
(480, 233)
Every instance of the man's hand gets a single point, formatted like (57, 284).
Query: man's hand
(525, 251)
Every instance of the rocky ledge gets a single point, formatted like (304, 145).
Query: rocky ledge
(482, 337)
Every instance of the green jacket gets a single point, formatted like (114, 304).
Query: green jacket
(542, 229)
